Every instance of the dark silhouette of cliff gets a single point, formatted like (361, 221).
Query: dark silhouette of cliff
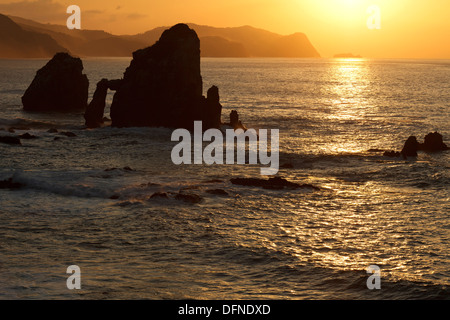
(15, 42)
(243, 41)
(163, 86)
(60, 85)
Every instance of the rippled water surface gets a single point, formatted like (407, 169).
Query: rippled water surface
(86, 199)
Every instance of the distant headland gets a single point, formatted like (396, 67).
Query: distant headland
(39, 40)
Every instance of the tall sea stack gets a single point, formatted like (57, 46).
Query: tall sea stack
(163, 85)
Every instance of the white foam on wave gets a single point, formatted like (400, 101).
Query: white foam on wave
(69, 187)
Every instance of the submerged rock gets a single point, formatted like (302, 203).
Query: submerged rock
(68, 134)
(392, 154)
(160, 195)
(27, 136)
(9, 184)
(275, 183)
(287, 165)
(189, 197)
(217, 192)
(163, 85)
(58, 86)
(10, 140)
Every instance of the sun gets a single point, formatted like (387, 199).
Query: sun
(350, 2)
(340, 12)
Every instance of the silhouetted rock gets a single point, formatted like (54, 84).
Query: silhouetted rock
(410, 148)
(27, 136)
(213, 108)
(433, 142)
(392, 154)
(68, 134)
(235, 122)
(58, 86)
(163, 85)
(160, 195)
(287, 165)
(275, 183)
(94, 112)
(52, 130)
(9, 184)
(10, 140)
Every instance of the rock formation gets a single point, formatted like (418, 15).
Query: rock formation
(10, 140)
(94, 112)
(163, 86)
(59, 86)
(410, 147)
(213, 108)
(235, 122)
(433, 142)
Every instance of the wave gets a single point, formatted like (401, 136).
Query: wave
(283, 268)
(59, 187)
(27, 124)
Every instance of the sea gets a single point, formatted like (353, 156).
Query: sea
(87, 201)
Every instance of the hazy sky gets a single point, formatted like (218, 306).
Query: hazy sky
(409, 28)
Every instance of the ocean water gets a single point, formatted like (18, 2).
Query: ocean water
(86, 199)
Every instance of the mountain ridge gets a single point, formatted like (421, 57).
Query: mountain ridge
(243, 41)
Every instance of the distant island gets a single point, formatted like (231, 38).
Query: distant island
(346, 55)
(23, 38)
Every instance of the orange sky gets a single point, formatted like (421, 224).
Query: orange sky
(409, 28)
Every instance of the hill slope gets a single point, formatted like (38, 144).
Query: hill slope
(243, 41)
(15, 42)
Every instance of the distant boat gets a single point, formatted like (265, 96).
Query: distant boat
(347, 55)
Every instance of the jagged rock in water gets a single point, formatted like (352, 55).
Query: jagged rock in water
(94, 112)
(392, 154)
(27, 136)
(189, 197)
(213, 108)
(58, 86)
(217, 192)
(163, 85)
(161, 195)
(10, 184)
(433, 142)
(410, 148)
(275, 183)
(235, 122)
